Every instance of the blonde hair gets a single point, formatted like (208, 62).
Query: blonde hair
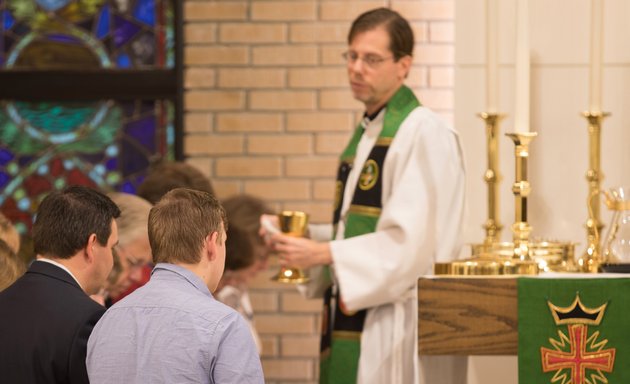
(11, 267)
(134, 217)
(9, 234)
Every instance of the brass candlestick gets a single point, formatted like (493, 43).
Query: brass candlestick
(521, 188)
(492, 177)
(292, 223)
(490, 261)
(592, 258)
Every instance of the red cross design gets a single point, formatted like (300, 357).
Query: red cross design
(578, 359)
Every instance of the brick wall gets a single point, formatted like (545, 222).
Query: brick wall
(268, 110)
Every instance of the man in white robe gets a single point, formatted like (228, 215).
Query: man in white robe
(417, 223)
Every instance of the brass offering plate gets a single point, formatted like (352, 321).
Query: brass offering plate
(551, 256)
(487, 265)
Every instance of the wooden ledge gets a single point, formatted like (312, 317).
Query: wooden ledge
(467, 316)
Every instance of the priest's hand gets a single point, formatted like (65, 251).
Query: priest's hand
(300, 252)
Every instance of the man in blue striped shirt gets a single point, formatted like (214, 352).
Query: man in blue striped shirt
(172, 330)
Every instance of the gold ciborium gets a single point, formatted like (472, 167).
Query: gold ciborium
(292, 223)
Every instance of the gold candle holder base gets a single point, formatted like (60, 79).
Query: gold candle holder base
(292, 223)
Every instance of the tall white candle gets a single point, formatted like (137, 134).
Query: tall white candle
(492, 61)
(521, 113)
(597, 15)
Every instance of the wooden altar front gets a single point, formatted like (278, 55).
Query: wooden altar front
(467, 316)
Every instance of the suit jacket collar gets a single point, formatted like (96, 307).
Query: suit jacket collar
(53, 271)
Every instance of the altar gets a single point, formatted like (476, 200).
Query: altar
(559, 325)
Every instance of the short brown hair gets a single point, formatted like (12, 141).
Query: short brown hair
(66, 219)
(165, 176)
(401, 39)
(180, 222)
(243, 212)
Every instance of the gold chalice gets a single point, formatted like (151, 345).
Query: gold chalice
(292, 223)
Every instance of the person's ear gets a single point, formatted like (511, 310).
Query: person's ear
(404, 66)
(89, 248)
(211, 245)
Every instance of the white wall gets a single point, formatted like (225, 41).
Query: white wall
(559, 38)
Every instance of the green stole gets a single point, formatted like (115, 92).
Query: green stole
(341, 329)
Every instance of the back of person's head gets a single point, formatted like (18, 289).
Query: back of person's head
(243, 212)
(11, 267)
(65, 220)
(400, 33)
(9, 234)
(165, 176)
(180, 222)
(134, 216)
(239, 249)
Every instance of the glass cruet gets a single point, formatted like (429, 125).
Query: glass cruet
(616, 247)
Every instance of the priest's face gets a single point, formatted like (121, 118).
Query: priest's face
(374, 73)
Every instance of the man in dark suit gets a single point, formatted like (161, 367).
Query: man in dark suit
(46, 316)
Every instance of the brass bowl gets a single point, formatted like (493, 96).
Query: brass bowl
(487, 265)
(551, 256)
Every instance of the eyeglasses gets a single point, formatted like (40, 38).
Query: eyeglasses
(370, 60)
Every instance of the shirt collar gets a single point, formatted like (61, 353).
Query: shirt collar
(372, 116)
(53, 262)
(186, 274)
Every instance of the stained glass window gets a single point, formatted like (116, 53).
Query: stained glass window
(89, 94)
(82, 34)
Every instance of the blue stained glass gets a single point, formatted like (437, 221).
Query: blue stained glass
(124, 31)
(44, 169)
(132, 159)
(100, 169)
(123, 61)
(21, 29)
(8, 19)
(4, 179)
(5, 156)
(62, 38)
(52, 5)
(111, 164)
(24, 160)
(102, 27)
(24, 204)
(114, 155)
(127, 187)
(112, 150)
(145, 11)
(144, 131)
